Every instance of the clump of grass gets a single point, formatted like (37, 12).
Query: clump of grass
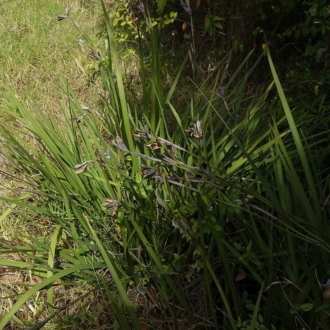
(230, 199)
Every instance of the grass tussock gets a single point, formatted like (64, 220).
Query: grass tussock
(216, 219)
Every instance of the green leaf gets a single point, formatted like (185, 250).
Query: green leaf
(207, 25)
(173, 14)
(318, 56)
(250, 307)
(51, 261)
(161, 5)
(248, 248)
(306, 307)
(256, 309)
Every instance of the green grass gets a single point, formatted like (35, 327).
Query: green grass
(36, 49)
(217, 220)
(37, 52)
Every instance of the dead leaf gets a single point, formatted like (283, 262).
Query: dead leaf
(198, 133)
(195, 130)
(80, 118)
(85, 108)
(81, 168)
(112, 205)
(152, 294)
(143, 326)
(327, 293)
(120, 144)
(240, 276)
(141, 134)
(169, 144)
(139, 250)
(153, 145)
(61, 17)
(147, 171)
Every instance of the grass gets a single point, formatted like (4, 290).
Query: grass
(218, 220)
(37, 52)
(37, 49)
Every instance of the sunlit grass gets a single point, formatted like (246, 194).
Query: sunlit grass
(37, 52)
(36, 49)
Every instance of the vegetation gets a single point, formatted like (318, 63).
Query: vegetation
(206, 212)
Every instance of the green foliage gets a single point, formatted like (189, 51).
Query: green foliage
(34, 48)
(176, 211)
(298, 32)
(211, 24)
(122, 17)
